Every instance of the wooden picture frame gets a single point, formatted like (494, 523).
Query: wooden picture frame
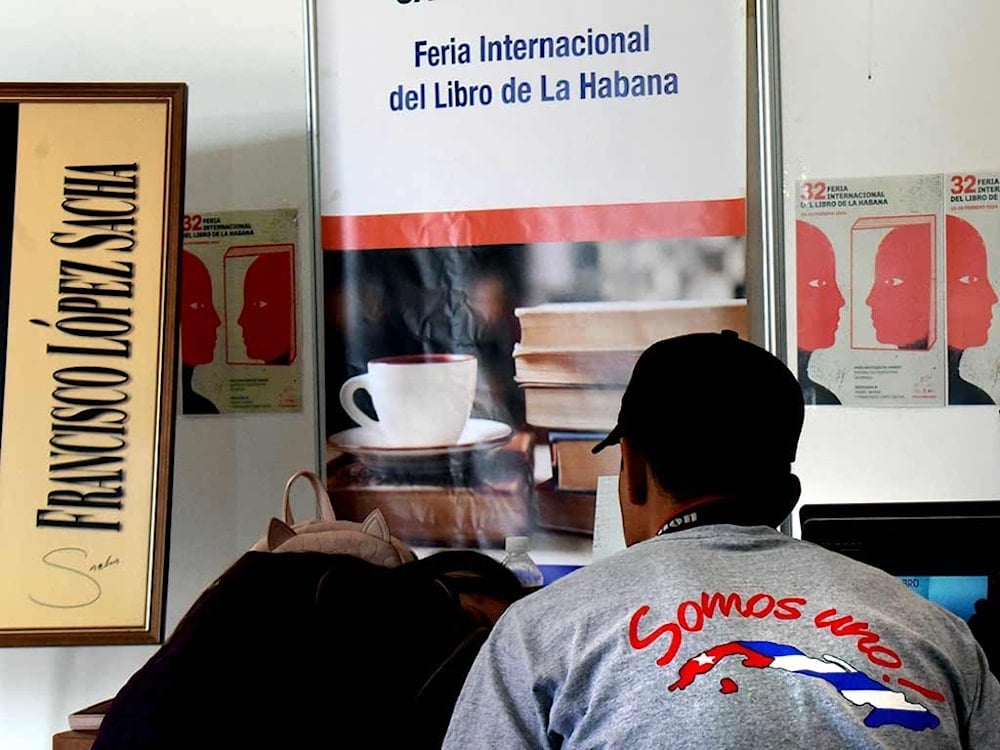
(91, 211)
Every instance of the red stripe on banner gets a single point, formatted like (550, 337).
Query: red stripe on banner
(501, 226)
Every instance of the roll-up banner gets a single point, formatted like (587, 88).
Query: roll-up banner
(515, 200)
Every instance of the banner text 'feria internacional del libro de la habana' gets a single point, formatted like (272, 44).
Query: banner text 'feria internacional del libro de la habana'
(443, 121)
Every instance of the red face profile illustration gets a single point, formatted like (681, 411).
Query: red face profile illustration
(266, 317)
(819, 297)
(970, 295)
(900, 297)
(199, 320)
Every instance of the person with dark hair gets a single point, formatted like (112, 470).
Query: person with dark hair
(713, 628)
(199, 326)
(267, 317)
(818, 303)
(902, 293)
(971, 298)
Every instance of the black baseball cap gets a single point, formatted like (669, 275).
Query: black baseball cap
(711, 402)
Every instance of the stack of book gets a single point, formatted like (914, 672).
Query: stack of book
(83, 726)
(572, 363)
(88, 719)
(463, 499)
(566, 501)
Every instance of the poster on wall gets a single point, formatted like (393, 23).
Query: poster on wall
(239, 350)
(91, 180)
(868, 255)
(972, 242)
(893, 295)
(515, 201)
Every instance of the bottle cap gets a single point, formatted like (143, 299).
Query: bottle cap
(517, 544)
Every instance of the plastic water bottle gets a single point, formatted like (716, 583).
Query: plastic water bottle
(519, 562)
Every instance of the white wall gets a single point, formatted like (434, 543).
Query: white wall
(928, 106)
(248, 148)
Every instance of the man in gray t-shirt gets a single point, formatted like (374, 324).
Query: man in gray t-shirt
(712, 629)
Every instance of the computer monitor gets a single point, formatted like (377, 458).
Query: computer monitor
(947, 551)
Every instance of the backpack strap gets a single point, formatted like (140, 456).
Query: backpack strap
(480, 589)
(467, 570)
(324, 508)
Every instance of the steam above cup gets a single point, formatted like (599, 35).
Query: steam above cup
(421, 400)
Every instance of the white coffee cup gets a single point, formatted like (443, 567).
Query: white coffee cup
(421, 400)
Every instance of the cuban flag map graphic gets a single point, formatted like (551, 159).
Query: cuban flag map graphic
(888, 706)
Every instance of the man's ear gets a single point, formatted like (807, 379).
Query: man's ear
(634, 481)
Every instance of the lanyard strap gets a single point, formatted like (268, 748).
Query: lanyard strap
(712, 510)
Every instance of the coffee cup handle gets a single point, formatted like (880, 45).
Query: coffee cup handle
(347, 391)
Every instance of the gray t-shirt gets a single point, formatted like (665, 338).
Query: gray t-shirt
(725, 636)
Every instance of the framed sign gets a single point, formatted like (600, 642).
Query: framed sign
(91, 183)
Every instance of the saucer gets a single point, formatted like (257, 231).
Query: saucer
(366, 443)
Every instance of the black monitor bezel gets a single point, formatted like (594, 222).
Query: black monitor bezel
(915, 538)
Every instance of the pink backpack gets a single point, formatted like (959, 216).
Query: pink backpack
(370, 540)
